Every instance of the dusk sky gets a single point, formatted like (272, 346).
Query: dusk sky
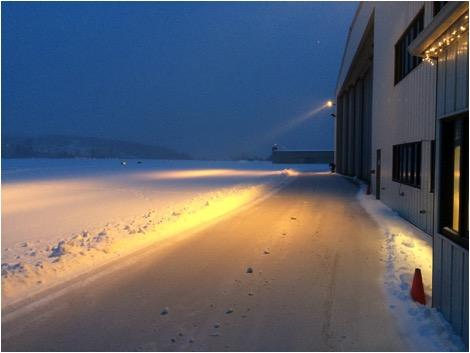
(213, 80)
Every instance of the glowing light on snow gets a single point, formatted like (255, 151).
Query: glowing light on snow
(81, 252)
(99, 215)
(210, 173)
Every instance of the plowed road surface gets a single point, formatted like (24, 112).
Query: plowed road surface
(316, 285)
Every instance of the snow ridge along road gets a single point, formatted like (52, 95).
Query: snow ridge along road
(63, 219)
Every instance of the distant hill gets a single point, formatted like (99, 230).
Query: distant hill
(65, 146)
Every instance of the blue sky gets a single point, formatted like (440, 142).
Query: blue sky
(208, 79)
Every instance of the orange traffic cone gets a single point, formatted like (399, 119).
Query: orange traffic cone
(417, 289)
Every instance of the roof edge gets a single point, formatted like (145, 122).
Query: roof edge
(438, 26)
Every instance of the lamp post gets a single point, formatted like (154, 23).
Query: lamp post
(329, 104)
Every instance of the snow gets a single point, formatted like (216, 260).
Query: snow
(64, 218)
(405, 248)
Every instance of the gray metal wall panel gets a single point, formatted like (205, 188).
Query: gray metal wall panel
(355, 36)
(446, 278)
(450, 288)
(402, 112)
(426, 197)
(450, 79)
(367, 165)
(462, 74)
(338, 134)
(456, 290)
(441, 84)
(437, 271)
(351, 131)
(465, 298)
(359, 127)
(450, 283)
(345, 132)
(452, 87)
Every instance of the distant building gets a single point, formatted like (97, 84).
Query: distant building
(402, 125)
(301, 156)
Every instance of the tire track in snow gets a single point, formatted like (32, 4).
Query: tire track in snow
(330, 294)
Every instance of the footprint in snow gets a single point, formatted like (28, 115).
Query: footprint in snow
(249, 270)
(267, 252)
(164, 311)
(293, 218)
(408, 244)
(229, 311)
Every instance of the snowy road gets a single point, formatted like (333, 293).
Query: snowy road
(316, 285)
(63, 218)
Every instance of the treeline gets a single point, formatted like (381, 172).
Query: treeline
(61, 146)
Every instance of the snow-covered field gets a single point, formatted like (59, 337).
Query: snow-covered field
(63, 218)
(405, 248)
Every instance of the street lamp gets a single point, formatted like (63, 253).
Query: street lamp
(329, 103)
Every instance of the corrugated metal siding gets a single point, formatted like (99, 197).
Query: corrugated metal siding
(345, 133)
(465, 300)
(450, 265)
(402, 113)
(367, 165)
(351, 131)
(452, 81)
(338, 139)
(358, 114)
(462, 76)
(449, 100)
(450, 283)
(446, 278)
(354, 40)
(436, 270)
(457, 288)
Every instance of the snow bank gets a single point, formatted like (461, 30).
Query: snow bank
(405, 248)
(61, 219)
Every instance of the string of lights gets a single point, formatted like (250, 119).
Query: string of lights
(456, 32)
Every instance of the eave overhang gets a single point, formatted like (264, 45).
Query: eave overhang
(439, 25)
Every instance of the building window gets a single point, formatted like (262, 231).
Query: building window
(404, 61)
(407, 164)
(437, 6)
(453, 195)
